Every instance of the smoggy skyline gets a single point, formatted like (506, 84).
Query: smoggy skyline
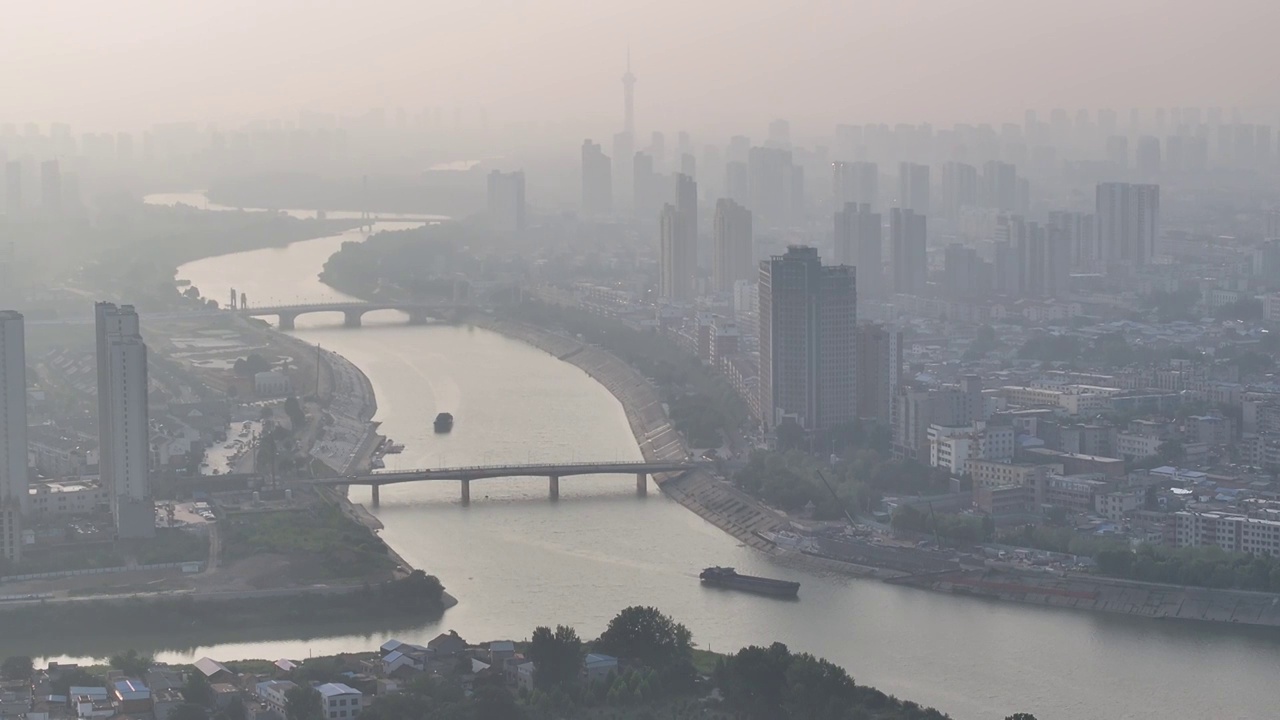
(711, 63)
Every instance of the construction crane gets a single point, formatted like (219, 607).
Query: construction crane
(836, 497)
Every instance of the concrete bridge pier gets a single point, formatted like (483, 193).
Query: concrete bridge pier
(351, 318)
(642, 484)
(374, 489)
(554, 487)
(466, 492)
(287, 321)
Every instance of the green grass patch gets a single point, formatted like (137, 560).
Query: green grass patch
(321, 543)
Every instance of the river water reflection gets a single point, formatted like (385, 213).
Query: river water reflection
(515, 560)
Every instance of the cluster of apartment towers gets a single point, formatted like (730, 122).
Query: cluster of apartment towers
(124, 450)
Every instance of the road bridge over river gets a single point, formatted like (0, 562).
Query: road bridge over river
(353, 311)
(552, 471)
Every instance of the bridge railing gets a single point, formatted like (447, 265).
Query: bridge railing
(637, 464)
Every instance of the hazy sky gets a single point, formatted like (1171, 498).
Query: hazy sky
(122, 63)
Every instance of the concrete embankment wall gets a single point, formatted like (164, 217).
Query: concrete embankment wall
(1108, 595)
(716, 501)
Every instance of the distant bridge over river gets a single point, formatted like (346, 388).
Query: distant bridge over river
(552, 471)
(352, 311)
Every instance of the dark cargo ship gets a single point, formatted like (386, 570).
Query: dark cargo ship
(444, 422)
(729, 578)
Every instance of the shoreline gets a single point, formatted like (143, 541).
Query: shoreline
(743, 517)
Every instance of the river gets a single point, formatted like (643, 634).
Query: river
(515, 560)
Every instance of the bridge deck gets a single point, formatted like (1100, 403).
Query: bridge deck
(481, 472)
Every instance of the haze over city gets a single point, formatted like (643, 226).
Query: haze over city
(559, 360)
(711, 64)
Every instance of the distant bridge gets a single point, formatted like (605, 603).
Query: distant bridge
(552, 471)
(353, 312)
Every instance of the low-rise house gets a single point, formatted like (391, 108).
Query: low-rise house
(214, 671)
(596, 667)
(500, 650)
(340, 701)
(273, 694)
(163, 701)
(524, 676)
(131, 696)
(447, 644)
(224, 694)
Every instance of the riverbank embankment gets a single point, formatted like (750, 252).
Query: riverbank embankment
(745, 518)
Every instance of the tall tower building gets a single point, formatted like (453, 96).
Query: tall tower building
(1000, 186)
(13, 186)
(644, 186)
(959, 187)
(856, 182)
(808, 340)
(1080, 236)
(506, 200)
(913, 187)
(879, 370)
(597, 180)
(733, 248)
(629, 100)
(776, 186)
(859, 242)
(50, 187)
(1128, 223)
(907, 234)
(124, 451)
(676, 273)
(13, 434)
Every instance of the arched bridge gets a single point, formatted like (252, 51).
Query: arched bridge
(552, 471)
(353, 312)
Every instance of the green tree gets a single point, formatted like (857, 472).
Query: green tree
(197, 690)
(557, 656)
(132, 663)
(648, 636)
(294, 410)
(187, 711)
(303, 703)
(17, 667)
(77, 677)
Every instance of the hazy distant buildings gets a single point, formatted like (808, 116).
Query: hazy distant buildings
(733, 246)
(1271, 226)
(856, 182)
(776, 186)
(13, 434)
(506, 201)
(1128, 223)
(124, 450)
(999, 186)
(644, 186)
(879, 371)
(965, 274)
(859, 242)
(1079, 233)
(678, 242)
(1147, 159)
(959, 188)
(907, 236)
(13, 187)
(597, 180)
(737, 183)
(913, 187)
(808, 340)
(50, 187)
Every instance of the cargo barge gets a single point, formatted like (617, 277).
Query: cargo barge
(730, 578)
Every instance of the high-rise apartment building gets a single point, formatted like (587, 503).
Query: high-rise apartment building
(1000, 186)
(50, 187)
(859, 242)
(1128, 223)
(506, 201)
(808, 340)
(907, 236)
(959, 188)
(913, 187)
(13, 434)
(124, 451)
(644, 186)
(1080, 239)
(678, 249)
(1147, 157)
(856, 182)
(13, 186)
(879, 371)
(733, 248)
(737, 183)
(597, 180)
(776, 186)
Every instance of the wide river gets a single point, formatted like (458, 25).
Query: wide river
(516, 560)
